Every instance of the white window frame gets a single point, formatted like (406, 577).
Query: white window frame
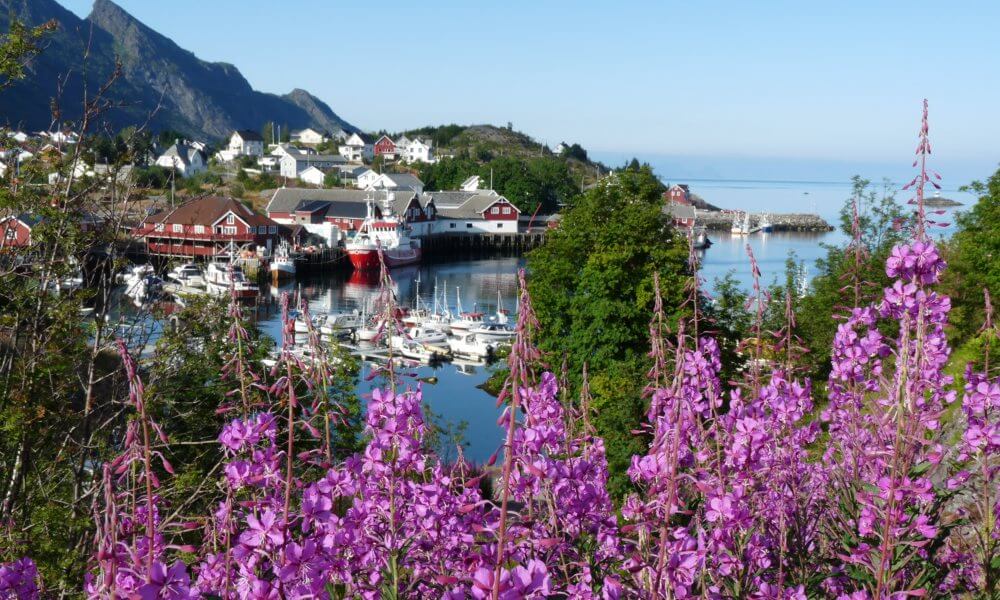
(229, 230)
(177, 228)
(495, 210)
(506, 210)
(158, 227)
(12, 233)
(272, 229)
(230, 219)
(199, 229)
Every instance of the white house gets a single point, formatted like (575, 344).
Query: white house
(355, 149)
(366, 179)
(560, 148)
(312, 175)
(244, 142)
(287, 149)
(293, 164)
(471, 184)
(308, 136)
(418, 150)
(184, 158)
(397, 181)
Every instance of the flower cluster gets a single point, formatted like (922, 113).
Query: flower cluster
(19, 580)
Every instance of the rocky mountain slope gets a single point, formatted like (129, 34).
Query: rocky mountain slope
(157, 77)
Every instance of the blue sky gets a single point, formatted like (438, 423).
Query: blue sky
(688, 80)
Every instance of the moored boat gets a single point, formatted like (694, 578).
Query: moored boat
(386, 233)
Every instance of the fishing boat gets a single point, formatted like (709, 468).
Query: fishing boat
(383, 232)
(426, 335)
(224, 278)
(741, 224)
(472, 346)
(282, 263)
(187, 274)
(764, 224)
(134, 274)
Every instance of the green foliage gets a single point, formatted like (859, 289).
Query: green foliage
(973, 256)
(591, 285)
(441, 135)
(332, 179)
(17, 46)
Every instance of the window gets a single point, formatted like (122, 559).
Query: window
(495, 211)
(11, 233)
(230, 219)
(199, 229)
(506, 210)
(272, 229)
(178, 228)
(468, 225)
(499, 225)
(229, 230)
(159, 227)
(452, 225)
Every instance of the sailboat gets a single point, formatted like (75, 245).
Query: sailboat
(465, 320)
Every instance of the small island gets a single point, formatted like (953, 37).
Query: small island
(937, 201)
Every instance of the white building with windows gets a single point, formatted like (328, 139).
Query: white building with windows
(309, 136)
(312, 175)
(366, 179)
(184, 158)
(293, 164)
(244, 142)
(356, 149)
(397, 181)
(418, 150)
(482, 211)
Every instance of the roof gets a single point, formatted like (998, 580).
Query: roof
(249, 136)
(679, 211)
(27, 219)
(464, 205)
(320, 158)
(403, 181)
(346, 209)
(286, 200)
(182, 151)
(208, 210)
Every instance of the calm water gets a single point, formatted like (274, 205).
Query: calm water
(455, 395)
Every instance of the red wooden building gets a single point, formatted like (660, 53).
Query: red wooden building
(385, 147)
(207, 227)
(679, 193)
(15, 231)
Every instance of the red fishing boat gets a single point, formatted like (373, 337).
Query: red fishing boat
(386, 232)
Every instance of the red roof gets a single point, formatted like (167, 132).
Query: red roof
(208, 210)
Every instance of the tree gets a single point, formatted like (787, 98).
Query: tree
(973, 256)
(592, 287)
(332, 179)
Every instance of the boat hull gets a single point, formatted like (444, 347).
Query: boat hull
(367, 259)
(282, 270)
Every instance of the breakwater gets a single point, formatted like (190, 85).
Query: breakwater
(723, 221)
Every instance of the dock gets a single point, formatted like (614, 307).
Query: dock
(722, 220)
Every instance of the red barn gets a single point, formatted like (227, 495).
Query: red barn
(207, 227)
(15, 231)
(385, 147)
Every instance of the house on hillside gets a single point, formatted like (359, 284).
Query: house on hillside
(418, 150)
(366, 179)
(473, 212)
(15, 230)
(207, 227)
(349, 174)
(293, 164)
(244, 142)
(679, 193)
(309, 136)
(560, 148)
(185, 159)
(356, 149)
(312, 175)
(386, 148)
(334, 214)
(682, 215)
(471, 184)
(397, 181)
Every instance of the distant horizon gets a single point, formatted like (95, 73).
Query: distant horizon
(773, 83)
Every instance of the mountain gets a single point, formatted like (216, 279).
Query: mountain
(182, 92)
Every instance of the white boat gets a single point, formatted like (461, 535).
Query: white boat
(465, 320)
(494, 332)
(426, 335)
(224, 278)
(188, 274)
(135, 273)
(282, 263)
(424, 352)
(471, 345)
(741, 224)
(335, 323)
(145, 289)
